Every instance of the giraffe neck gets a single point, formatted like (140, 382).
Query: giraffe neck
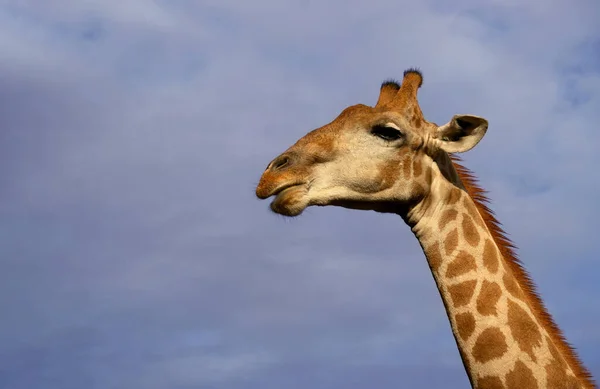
(500, 336)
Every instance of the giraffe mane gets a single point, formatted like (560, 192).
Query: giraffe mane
(507, 249)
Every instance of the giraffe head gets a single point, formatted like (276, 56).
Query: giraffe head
(375, 158)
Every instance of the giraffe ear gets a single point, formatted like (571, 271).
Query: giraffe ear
(461, 133)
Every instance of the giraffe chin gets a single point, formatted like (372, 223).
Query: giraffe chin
(291, 201)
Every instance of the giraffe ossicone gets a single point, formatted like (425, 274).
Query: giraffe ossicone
(389, 158)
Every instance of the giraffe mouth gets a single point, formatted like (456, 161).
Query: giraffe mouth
(277, 192)
(290, 199)
(264, 191)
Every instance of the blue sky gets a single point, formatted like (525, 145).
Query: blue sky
(133, 253)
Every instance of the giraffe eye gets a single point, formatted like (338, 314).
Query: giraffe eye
(386, 132)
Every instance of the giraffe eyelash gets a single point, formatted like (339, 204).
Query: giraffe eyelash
(386, 132)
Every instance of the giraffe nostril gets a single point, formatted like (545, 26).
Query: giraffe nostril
(280, 162)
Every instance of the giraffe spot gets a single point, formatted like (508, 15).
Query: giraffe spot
(448, 216)
(524, 330)
(478, 219)
(490, 256)
(417, 189)
(488, 298)
(406, 164)
(462, 264)
(387, 176)
(490, 344)
(462, 293)
(417, 168)
(416, 118)
(490, 382)
(465, 325)
(510, 283)
(418, 122)
(428, 175)
(470, 232)
(521, 377)
(553, 349)
(472, 210)
(556, 374)
(454, 196)
(434, 256)
(556, 370)
(572, 382)
(451, 241)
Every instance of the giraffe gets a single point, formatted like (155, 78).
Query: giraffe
(388, 158)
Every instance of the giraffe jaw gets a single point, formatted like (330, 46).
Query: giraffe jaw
(290, 200)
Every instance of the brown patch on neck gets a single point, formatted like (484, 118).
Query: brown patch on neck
(521, 377)
(490, 344)
(434, 257)
(507, 250)
(490, 257)
(488, 298)
(462, 293)
(556, 371)
(465, 323)
(462, 264)
(470, 233)
(447, 217)
(451, 242)
(490, 382)
(524, 330)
